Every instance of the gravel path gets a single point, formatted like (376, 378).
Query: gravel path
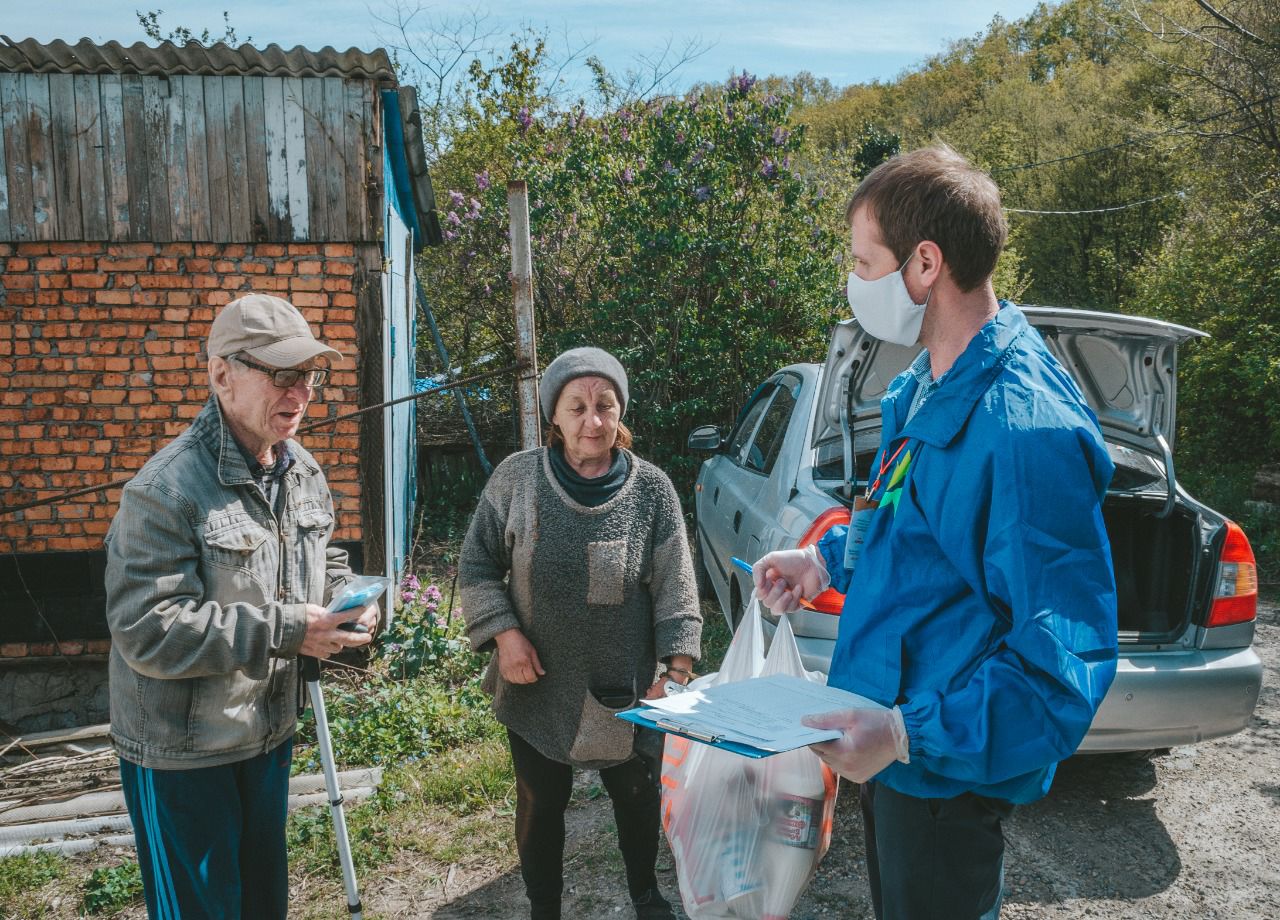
(1193, 833)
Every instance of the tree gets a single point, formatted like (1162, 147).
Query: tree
(180, 35)
(677, 233)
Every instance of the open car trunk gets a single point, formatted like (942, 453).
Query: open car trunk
(1155, 562)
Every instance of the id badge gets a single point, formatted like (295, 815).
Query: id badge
(859, 524)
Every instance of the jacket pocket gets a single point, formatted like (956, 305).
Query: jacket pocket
(232, 540)
(243, 563)
(314, 524)
(601, 735)
(606, 572)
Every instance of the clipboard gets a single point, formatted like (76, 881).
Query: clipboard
(660, 721)
(755, 717)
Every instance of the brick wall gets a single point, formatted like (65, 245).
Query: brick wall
(101, 364)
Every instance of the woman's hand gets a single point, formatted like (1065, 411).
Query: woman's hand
(679, 669)
(517, 658)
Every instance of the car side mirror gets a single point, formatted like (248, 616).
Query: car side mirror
(705, 437)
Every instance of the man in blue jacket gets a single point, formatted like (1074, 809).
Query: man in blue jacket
(981, 604)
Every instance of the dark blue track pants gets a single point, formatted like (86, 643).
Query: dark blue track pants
(934, 859)
(211, 841)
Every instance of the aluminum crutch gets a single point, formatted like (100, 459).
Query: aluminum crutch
(311, 675)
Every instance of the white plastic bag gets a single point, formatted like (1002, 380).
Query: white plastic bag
(746, 834)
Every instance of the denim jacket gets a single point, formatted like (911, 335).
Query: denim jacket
(206, 595)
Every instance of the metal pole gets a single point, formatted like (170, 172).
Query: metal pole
(522, 291)
(311, 674)
(448, 369)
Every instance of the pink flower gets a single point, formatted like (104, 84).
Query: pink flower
(482, 180)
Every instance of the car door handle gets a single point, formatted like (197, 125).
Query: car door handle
(737, 521)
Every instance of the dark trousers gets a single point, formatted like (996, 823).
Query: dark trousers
(542, 795)
(934, 859)
(211, 841)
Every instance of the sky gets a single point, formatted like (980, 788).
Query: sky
(847, 42)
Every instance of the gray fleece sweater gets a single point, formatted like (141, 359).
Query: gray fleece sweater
(602, 593)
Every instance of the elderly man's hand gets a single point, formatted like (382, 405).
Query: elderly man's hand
(325, 638)
(517, 658)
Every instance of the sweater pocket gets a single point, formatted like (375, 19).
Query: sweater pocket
(606, 572)
(601, 735)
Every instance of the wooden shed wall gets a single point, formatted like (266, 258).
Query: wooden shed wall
(184, 158)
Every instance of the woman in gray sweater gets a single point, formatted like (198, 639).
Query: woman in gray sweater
(576, 571)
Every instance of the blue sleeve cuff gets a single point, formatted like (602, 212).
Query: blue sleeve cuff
(917, 715)
(831, 548)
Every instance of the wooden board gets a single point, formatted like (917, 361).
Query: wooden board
(336, 164)
(5, 233)
(44, 205)
(216, 159)
(15, 209)
(355, 167)
(132, 104)
(255, 155)
(237, 175)
(197, 156)
(115, 155)
(155, 125)
(296, 159)
(89, 148)
(222, 159)
(313, 128)
(175, 161)
(66, 157)
(277, 158)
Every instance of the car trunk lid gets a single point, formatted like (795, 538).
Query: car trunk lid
(1126, 367)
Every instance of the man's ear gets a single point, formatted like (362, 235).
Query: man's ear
(219, 375)
(929, 260)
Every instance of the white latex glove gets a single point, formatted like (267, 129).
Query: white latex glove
(785, 576)
(872, 739)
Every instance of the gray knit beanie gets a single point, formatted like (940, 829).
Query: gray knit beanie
(580, 362)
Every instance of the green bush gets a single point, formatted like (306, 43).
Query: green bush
(111, 888)
(681, 234)
(421, 694)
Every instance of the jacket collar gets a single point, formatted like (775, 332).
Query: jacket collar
(212, 431)
(942, 416)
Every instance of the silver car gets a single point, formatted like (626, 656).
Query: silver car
(1185, 574)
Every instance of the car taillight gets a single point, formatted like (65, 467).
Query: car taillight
(1235, 591)
(829, 601)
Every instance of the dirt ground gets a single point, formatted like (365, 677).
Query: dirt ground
(1193, 833)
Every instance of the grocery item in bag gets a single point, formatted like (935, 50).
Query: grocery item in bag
(746, 834)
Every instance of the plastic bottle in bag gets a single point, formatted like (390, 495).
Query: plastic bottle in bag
(792, 841)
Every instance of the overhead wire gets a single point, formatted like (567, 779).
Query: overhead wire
(1181, 193)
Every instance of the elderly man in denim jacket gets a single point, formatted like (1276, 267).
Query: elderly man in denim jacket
(218, 567)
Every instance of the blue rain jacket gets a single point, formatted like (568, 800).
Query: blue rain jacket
(984, 601)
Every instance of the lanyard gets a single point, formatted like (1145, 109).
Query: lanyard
(884, 468)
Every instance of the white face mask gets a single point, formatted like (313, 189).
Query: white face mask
(885, 309)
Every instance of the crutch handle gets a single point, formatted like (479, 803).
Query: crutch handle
(310, 668)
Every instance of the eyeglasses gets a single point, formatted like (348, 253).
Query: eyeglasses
(287, 377)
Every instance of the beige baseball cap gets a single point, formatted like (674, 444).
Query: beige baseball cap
(267, 329)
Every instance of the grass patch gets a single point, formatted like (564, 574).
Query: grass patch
(23, 876)
(715, 638)
(451, 808)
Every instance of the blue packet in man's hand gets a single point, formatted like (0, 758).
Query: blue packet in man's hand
(359, 592)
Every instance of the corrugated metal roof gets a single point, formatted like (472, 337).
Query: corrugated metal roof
(85, 56)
